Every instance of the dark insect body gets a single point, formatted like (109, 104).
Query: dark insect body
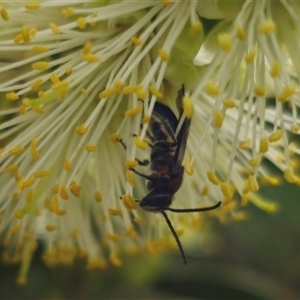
(167, 153)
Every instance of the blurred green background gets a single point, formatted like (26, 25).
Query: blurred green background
(255, 259)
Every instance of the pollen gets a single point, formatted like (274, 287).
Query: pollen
(68, 71)
(129, 89)
(10, 168)
(98, 196)
(114, 138)
(275, 136)
(259, 91)
(115, 212)
(140, 143)
(19, 214)
(67, 11)
(164, 55)
(40, 49)
(295, 128)
(136, 41)
(188, 167)
(154, 91)
(145, 119)
(287, 92)
(16, 151)
(60, 85)
(54, 78)
(244, 145)
(15, 229)
(40, 174)
(36, 84)
(130, 178)
(38, 109)
(114, 237)
(275, 70)
(4, 14)
(254, 161)
(225, 41)
(228, 103)
(115, 260)
(50, 228)
(91, 58)
(40, 66)
(267, 27)
(218, 118)
(289, 175)
(105, 93)
(29, 196)
(133, 111)
(253, 183)
(25, 35)
(81, 23)
(226, 190)
(141, 93)
(12, 96)
(187, 107)
(91, 148)
(63, 192)
(212, 89)
(240, 33)
(54, 28)
(75, 188)
(271, 180)
(96, 263)
(213, 178)
(18, 38)
(22, 110)
(55, 189)
(263, 145)
(131, 164)
(195, 28)
(67, 165)
(82, 129)
(32, 6)
(249, 57)
(129, 202)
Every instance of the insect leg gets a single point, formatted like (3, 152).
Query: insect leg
(193, 209)
(174, 235)
(148, 177)
(145, 162)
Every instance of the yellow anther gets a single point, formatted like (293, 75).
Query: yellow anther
(84, 92)
(275, 136)
(4, 14)
(16, 150)
(295, 128)
(114, 138)
(130, 178)
(81, 130)
(34, 153)
(276, 69)
(16, 175)
(133, 111)
(287, 92)
(261, 203)
(213, 178)
(96, 263)
(115, 211)
(154, 91)
(50, 228)
(226, 190)
(129, 202)
(225, 41)
(240, 33)
(67, 11)
(130, 164)
(118, 84)
(249, 57)
(188, 167)
(67, 165)
(145, 119)
(212, 89)
(114, 237)
(60, 85)
(138, 220)
(63, 192)
(141, 93)
(263, 145)
(68, 71)
(54, 28)
(81, 23)
(218, 118)
(136, 41)
(25, 35)
(195, 28)
(54, 78)
(22, 110)
(164, 55)
(40, 49)
(15, 229)
(187, 107)
(246, 188)
(165, 2)
(267, 27)
(90, 147)
(115, 260)
(244, 145)
(19, 214)
(32, 32)
(128, 89)
(259, 91)
(38, 109)
(226, 201)
(289, 175)
(97, 197)
(28, 182)
(75, 188)
(39, 174)
(105, 93)
(36, 83)
(140, 143)
(29, 196)
(32, 6)
(204, 191)
(254, 161)
(228, 103)
(87, 48)
(41, 94)
(40, 66)
(12, 96)
(91, 57)
(271, 180)
(253, 183)
(18, 38)
(55, 189)
(10, 168)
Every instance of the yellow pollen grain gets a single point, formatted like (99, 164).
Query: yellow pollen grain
(75, 188)
(98, 196)
(136, 41)
(22, 110)
(32, 5)
(81, 23)
(295, 128)
(271, 180)
(91, 58)
(226, 190)
(115, 260)
(15, 228)
(263, 145)
(204, 191)
(16, 150)
(244, 145)
(87, 48)
(267, 27)
(25, 35)
(130, 164)
(68, 71)
(60, 85)
(67, 165)
(276, 69)
(145, 119)
(115, 212)
(249, 57)
(128, 89)
(140, 143)
(67, 11)
(275, 136)
(154, 91)
(114, 237)
(129, 202)
(188, 166)
(40, 174)
(16, 175)
(10, 168)
(141, 93)
(4, 14)
(130, 178)
(164, 55)
(54, 78)
(218, 118)
(240, 33)
(118, 84)
(253, 183)
(36, 84)
(133, 111)
(28, 182)
(114, 138)
(289, 175)
(90, 147)
(212, 89)
(228, 103)
(18, 38)
(38, 109)
(225, 41)
(104, 94)
(54, 28)
(40, 49)
(81, 130)
(29, 196)
(50, 228)
(213, 178)
(259, 91)
(63, 192)
(195, 28)
(187, 107)
(12, 96)
(287, 92)
(40, 66)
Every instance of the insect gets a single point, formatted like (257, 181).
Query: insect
(167, 153)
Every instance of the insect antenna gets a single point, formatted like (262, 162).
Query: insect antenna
(175, 235)
(193, 209)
